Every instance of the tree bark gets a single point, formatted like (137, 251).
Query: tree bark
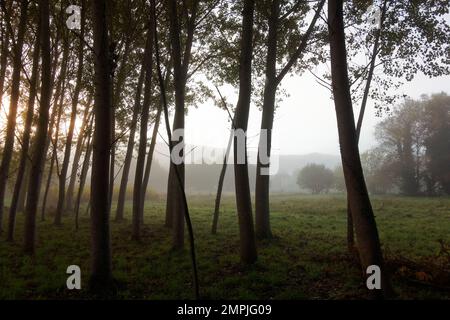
(68, 148)
(376, 45)
(221, 181)
(262, 194)
(5, 47)
(76, 158)
(41, 132)
(101, 271)
(175, 215)
(173, 195)
(130, 147)
(25, 140)
(243, 198)
(140, 162)
(56, 114)
(14, 101)
(148, 165)
(83, 174)
(262, 219)
(361, 208)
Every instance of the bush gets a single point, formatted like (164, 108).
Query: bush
(316, 177)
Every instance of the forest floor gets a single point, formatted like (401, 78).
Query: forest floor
(307, 259)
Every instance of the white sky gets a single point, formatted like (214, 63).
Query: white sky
(305, 121)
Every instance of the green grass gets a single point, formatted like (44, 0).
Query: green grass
(307, 259)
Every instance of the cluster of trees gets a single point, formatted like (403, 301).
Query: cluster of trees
(316, 177)
(132, 62)
(413, 154)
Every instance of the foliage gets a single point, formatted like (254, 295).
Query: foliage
(315, 177)
(413, 147)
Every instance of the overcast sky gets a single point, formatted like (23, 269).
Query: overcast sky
(305, 121)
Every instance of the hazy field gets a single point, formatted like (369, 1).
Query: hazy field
(307, 259)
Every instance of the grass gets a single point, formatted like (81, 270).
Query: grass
(307, 259)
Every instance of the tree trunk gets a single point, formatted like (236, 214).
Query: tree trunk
(25, 140)
(76, 159)
(68, 148)
(130, 148)
(140, 162)
(38, 155)
(148, 165)
(5, 46)
(243, 198)
(350, 231)
(83, 174)
(221, 180)
(101, 271)
(173, 195)
(56, 113)
(14, 101)
(361, 208)
(24, 187)
(175, 215)
(262, 219)
(262, 194)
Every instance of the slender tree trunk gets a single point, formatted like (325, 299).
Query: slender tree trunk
(175, 210)
(169, 135)
(25, 140)
(140, 162)
(169, 199)
(101, 271)
(262, 219)
(121, 77)
(361, 208)
(41, 132)
(76, 159)
(151, 150)
(376, 46)
(130, 148)
(112, 165)
(24, 187)
(243, 197)
(262, 194)
(12, 113)
(5, 47)
(68, 148)
(56, 114)
(221, 181)
(148, 165)
(83, 174)
(49, 180)
(180, 67)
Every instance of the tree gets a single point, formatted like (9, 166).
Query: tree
(130, 145)
(138, 180)
(412, 151)
(315, 177)
(417, 23)
(61, 205)
(243, 196)
(437, 142)
(402, 137)
(14, 101)
(181, 59)
(38, 154)
(338, 178)
(362, 214)
(272, 81)
(101, 272)
(26, 138)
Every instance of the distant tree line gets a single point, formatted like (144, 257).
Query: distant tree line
(413, 154)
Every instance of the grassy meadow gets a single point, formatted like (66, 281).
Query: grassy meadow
(307, 259)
